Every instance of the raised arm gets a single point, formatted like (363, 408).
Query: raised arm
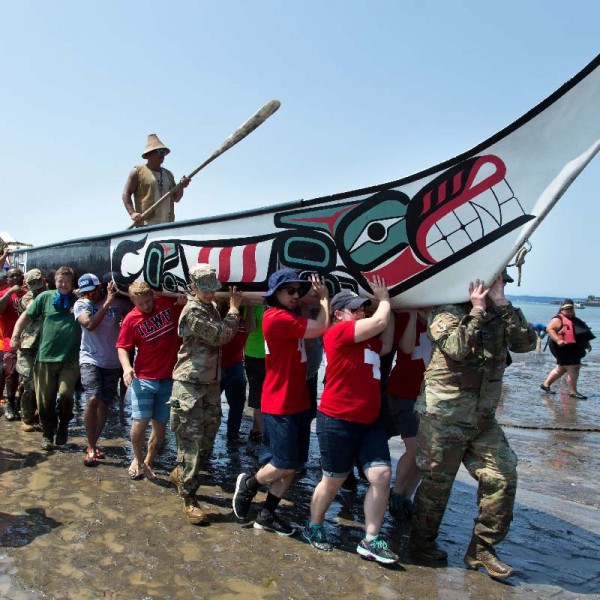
(375, 324)
(316, 327)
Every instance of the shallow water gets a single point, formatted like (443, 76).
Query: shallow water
(68, 531)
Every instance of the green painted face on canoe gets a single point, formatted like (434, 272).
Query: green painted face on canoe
(376, 233)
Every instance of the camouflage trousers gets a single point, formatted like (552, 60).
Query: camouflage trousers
(25, 363)
(195, 420)
(441, 447)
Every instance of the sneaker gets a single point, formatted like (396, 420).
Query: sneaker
(378, 550)
(546, 388)
(578, 396)
(270, 522)
(242, 497)
(315, 535)
(47, 444)
(396, 506)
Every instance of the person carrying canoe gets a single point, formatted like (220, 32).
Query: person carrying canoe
(463, 386)
(150, 182)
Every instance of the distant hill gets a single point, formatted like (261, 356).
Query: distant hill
(538, 299)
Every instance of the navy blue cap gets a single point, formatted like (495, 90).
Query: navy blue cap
(348, 299)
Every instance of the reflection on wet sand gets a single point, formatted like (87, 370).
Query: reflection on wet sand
(78, 533)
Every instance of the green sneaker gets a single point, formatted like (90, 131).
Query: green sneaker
(315, 535)
(377, 550)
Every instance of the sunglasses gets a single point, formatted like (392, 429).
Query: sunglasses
(293, 290)
(356, 310)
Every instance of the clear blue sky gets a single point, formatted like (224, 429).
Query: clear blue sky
(370, 91)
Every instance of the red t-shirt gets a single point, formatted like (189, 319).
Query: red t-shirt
(9, 317)
(407, 375)
(352, 376)
(232, 352)
(155, 337)
(284, 390)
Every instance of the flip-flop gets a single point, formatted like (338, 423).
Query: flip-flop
(90, 459)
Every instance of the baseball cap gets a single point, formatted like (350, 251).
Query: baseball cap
(348, 299)
(87, 283)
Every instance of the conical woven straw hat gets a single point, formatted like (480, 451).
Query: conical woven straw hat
(153, 143)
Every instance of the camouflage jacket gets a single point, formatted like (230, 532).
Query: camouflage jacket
(203, 332)
(463, 381)
(30, 338)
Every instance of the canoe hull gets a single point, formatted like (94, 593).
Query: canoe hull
(427, 234)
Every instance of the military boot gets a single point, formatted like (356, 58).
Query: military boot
(194, 513)
(12, 409)
(175, 478)
(482, 555)
(426, 549)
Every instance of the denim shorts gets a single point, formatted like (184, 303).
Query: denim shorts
(98, 382)
(341, 442)
(149, 399)
(406, 422)
(285, 440)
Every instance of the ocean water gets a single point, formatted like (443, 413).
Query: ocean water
(525, 405)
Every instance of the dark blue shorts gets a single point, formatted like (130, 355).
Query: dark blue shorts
(341, 442)
(285, 440)
(406, 422)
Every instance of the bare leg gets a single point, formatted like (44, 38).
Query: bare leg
(138, 437)
(407, 472)
(555, 375)
(323, 496)
(94, 416)
(257, 424)
(155, 444)
(572, 377)
(278, 480)
(377, 496)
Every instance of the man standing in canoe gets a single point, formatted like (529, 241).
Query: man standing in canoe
(150, 182)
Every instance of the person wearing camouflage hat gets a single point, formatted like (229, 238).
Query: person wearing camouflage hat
(147, 183)
(196, 397)
(27, 352)
(463, 385)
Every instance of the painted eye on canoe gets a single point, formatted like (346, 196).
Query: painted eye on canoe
(375, 232)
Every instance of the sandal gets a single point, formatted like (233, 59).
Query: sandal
(90, 459)
(100, 455)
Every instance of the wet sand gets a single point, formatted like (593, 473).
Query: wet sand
(71, 532)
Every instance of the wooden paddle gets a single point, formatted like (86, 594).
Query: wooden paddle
(237, 136)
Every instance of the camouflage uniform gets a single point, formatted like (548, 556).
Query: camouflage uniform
(463, 384)
(196, 398)
(26, 355)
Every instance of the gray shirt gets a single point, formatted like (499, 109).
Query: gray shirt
(98, 346)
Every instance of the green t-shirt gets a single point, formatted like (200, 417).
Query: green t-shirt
(61, 333)
(255, 344)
